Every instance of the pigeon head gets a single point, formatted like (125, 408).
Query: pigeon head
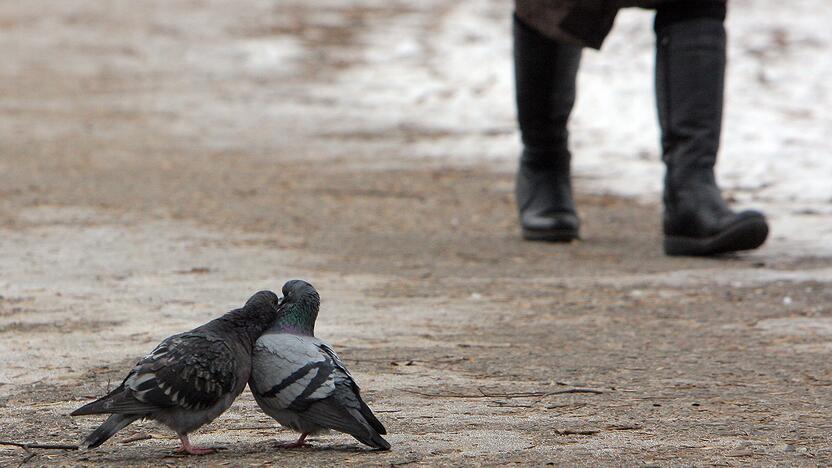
(298, 309)
(263, 298)
(251, 320)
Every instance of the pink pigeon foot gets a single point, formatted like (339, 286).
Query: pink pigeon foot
(297, 444)
(192, 449)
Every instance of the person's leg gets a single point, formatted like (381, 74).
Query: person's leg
(545, 73)
(690, 71)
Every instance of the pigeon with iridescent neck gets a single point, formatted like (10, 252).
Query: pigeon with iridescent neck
(188, 379)
(299, 380)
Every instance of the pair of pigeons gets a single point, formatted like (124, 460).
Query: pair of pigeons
(191, 378)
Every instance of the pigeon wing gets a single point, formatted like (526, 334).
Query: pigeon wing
(344, 411)
(190, 370)
(305, 375)
(290, 371)
(347, 390)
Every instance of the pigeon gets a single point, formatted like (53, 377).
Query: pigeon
(188, 379)
(299, 381)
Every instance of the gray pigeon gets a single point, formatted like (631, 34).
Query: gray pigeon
(299, 380)
(190, 378)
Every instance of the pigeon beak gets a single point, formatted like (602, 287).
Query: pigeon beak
(281, 303)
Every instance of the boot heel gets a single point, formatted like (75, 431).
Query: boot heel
(559, 235)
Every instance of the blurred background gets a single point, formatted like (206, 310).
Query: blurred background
(88, 86)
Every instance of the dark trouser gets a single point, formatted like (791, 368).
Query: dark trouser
(671, 13)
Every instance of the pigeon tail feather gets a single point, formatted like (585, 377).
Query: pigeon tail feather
(108, 429)
(375, 440)
(333, 415)
(371, 418)
(370, 436)
(99, 406)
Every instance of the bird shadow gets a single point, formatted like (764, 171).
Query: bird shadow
(240, 449)
(313, 447)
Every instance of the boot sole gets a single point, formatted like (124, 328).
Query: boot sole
(745, 235)
(560, 235)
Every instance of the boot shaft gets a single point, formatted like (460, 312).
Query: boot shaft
(690, 81)
(545, 76)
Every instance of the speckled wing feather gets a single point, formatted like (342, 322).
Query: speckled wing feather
(191, 370)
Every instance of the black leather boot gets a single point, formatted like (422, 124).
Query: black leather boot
(545, 73)
(690, 70)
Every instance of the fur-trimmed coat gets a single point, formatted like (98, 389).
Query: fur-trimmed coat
(582, 22)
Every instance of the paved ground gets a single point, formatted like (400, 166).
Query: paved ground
(160, 161)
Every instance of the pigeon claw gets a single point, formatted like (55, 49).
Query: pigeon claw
(193, 449)
(300, 443)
